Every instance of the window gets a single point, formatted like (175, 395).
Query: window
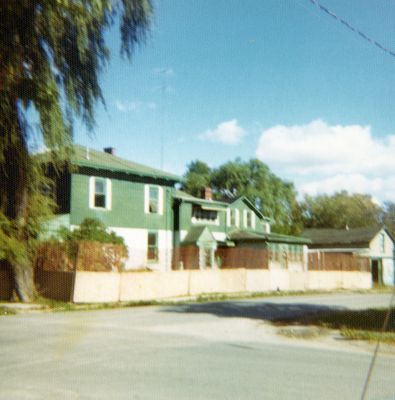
(382, 243)
(233, 217)
(153, 204)
(201, 215)
(249, 219)
(152, 248)
(100, 193)
(153, 199)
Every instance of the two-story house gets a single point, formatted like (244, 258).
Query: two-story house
(133, 200)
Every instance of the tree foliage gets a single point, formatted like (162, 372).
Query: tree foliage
(197, 177)
(389, 216)
(340, 210)
(90, 229)
(271, 195)
(51, 56)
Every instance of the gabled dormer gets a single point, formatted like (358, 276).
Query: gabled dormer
(243, 215)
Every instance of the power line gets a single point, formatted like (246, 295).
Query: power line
(352, 28)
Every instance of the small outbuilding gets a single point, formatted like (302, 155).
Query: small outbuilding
(376, 242)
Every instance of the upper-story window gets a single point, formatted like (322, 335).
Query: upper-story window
(205, 216)
(100, 193)
(382, 242)
(233, 217)
(153, 199)
(249, 219)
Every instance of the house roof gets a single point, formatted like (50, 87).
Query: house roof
(179, 194)
(253, 236)
(87, 157)
(197, 233)
(252, 207)
(359, 237)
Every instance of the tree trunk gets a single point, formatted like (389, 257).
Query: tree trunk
(14, 184)
(22, 281)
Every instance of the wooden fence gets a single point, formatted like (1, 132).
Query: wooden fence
(325, 261)
(239, 257)
(84, 256)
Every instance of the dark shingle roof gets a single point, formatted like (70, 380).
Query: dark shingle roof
(359, 237)
(89, 158)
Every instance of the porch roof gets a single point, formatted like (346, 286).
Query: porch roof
(253, 236)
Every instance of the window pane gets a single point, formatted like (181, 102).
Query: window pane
(99, 186)
(152, 248)
(152, 239)
(204, 215)
(233, 217)
(153, 199)
(100, 200)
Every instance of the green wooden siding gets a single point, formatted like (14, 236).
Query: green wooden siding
(242, 206)
(127, 205)
(185, 212)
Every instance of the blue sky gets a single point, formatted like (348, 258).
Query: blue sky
(275, 79)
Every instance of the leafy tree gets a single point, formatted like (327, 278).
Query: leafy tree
(389, 216)
(340, 210)
(253, 179)
(197, 177)
(51, 56)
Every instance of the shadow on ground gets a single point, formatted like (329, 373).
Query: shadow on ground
(291, 312)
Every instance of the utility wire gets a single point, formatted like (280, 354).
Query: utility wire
(352, 28)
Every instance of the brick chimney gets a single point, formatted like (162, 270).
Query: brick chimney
(207, 193)
(110, 150)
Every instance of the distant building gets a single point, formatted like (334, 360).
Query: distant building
(375, 242)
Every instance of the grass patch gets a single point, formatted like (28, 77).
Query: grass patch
(210, 297)
(352, 324)
(367, 320)
(7, 311)
(356, 334)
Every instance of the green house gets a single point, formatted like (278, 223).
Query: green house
(143, 205)
(133, 200)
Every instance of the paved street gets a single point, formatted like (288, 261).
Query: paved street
(225, 350)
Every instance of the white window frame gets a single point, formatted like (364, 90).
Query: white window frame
(147, 199)
(92, 192)
(229, 217)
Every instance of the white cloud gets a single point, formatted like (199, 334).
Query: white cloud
(324, 158)
(133, 106)
(227, 132)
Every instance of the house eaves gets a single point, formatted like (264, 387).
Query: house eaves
(213, 205)
(88, 158)
(253, 236)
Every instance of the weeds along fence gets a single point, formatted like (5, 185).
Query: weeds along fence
(325, 261)
(82, 256)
